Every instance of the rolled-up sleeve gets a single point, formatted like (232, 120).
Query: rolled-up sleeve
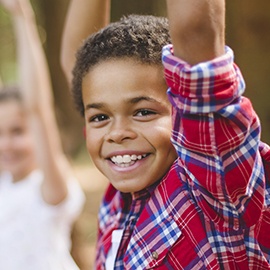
(216, 134)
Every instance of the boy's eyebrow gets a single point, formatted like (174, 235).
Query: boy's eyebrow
(141, 98)
(94, 106)
(100, 105)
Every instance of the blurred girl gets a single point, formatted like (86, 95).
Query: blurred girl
(39, 197)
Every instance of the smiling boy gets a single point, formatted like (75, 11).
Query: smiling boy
(128, 123)
(206, 207)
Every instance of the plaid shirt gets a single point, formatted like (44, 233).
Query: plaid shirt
(212, 209)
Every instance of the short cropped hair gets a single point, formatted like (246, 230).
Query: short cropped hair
(140, 37)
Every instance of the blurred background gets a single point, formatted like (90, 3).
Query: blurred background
(248, 33)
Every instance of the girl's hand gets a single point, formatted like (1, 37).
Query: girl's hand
(11, 6)
(15, 7)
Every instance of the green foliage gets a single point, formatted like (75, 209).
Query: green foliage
(8, 71)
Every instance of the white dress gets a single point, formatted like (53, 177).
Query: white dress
(35, 235)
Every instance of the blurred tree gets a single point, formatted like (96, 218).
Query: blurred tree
(248, 33)
(51, 16)
(123, 7)
(7, 51)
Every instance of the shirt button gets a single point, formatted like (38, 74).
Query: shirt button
(154, 255)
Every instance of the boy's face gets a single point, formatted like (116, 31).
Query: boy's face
(128, 123)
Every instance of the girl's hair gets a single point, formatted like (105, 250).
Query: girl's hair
(8, 93)
(140, 37)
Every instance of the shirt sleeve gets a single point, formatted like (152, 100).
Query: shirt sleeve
(71, 207)
(216, 134)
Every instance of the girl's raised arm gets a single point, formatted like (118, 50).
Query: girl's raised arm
(36, 90)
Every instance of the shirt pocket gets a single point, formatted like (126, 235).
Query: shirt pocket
(150, 244)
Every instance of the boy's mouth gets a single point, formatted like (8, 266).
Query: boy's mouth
(126, 160)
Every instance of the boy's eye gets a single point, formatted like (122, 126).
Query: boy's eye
(144, 112)
(99, 118)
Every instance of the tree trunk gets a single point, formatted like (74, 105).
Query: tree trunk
(123, 7)
(70, 122)
(248, 34)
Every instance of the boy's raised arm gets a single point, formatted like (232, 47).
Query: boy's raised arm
(84, 17)
(197, 29)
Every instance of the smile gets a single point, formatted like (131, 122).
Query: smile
(126, 160)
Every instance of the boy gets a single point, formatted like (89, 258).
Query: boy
(206, 207)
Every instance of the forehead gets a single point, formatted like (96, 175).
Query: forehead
(124, 77)
(11, 112)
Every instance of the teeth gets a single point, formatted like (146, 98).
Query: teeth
(126, 159)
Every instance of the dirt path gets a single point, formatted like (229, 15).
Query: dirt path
(85, 229)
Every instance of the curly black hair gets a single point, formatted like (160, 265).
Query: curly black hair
(140, 37)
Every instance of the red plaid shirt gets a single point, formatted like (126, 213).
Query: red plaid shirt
(212, 209)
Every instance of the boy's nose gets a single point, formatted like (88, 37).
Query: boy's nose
(120, 132)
